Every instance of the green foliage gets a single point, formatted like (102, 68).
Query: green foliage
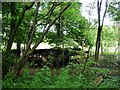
(68, 77)
(110, 83)
(8, 61)
(75, 24)
(8, 80)
(8, 19)
(109, 38)
(73, 28)
(114, 10)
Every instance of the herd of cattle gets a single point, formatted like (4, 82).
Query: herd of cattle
(51, 57)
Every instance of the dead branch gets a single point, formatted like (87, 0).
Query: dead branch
(98, 80)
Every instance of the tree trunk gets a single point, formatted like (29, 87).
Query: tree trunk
(18, 49)
(63, 53)
(12, 25)
(97, 45)
(100, 25)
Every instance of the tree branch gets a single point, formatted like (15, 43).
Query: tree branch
(98, 11)
(50, 11)
(100, 4)
(104, 13)
(22, 15)
(32, 28)
(48, 27)
(51, 8)
(11, 36)
(28, 7)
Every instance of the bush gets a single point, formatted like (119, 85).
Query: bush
(8, 61)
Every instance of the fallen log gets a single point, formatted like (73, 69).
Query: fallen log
(98, 80)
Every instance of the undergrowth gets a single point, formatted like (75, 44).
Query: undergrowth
(67, 77)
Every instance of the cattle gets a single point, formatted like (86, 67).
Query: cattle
(37, 60)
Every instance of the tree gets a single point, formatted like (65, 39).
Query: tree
(29, 51)
(100, 25)
(23, 19)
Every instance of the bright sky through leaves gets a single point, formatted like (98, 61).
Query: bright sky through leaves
(94, 16)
